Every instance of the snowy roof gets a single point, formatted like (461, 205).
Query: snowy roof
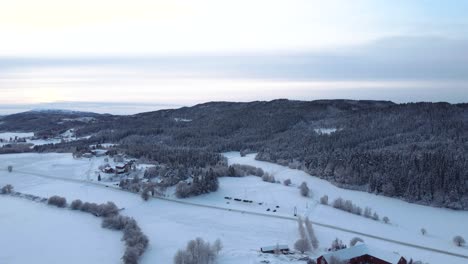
(99, 151)
(361, 250)
(271, 248)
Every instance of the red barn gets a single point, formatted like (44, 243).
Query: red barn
(362, 254)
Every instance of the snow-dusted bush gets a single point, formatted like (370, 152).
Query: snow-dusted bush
(355, 240)
(107, 209)
(287, 182)
(305, 191)
(268, 178)
(76, 204)
(7, 189)
(302, 245)
(131, 256)
(145, 195)
(197, 252)
(324, 200)
(134, 239)
(386, 219)
(10, 168)
(459, 241)
(338, 203)
(423, 231)
(57, 201)
(118, 222)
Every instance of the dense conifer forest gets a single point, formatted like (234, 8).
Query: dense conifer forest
(417, 152)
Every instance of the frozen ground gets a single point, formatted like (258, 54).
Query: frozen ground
(8, 135)
(170, 225)
(36, 233)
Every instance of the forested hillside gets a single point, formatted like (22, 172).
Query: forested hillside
(417, 152)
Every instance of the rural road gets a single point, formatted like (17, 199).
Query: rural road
(111, 187)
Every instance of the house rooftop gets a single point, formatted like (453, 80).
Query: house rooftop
(361, 250)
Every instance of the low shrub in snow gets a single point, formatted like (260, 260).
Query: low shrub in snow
(7, 189)
(76, 204)
(57, 201)
(305, 191)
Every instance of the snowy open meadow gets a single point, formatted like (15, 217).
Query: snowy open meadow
(170, 222)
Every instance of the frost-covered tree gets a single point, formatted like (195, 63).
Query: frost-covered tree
(217, 246)
(301, 229)
(182, 190)
(302, 245)
(459, 241)
(367, 212)
(197, 252)
(375, 216)
(304, 189)
(337, 245)
(355, 240)
(338, 203)
(310, 230)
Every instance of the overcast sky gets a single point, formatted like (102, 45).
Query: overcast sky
(162, 53)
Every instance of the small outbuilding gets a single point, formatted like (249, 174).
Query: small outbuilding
(283, 249)
(362, 253)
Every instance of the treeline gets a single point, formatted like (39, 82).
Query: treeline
(415, 151)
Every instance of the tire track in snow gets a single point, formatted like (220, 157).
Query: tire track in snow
(111, 187)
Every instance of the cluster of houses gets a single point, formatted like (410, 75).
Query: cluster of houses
(358, 254)
(119, 168)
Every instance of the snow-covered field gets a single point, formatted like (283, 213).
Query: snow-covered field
(8, 135)
(36, 233)
(170, 225)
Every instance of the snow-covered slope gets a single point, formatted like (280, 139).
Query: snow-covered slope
(169, 225)
(36, 233)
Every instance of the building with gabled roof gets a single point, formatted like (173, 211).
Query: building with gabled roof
(362, 253)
